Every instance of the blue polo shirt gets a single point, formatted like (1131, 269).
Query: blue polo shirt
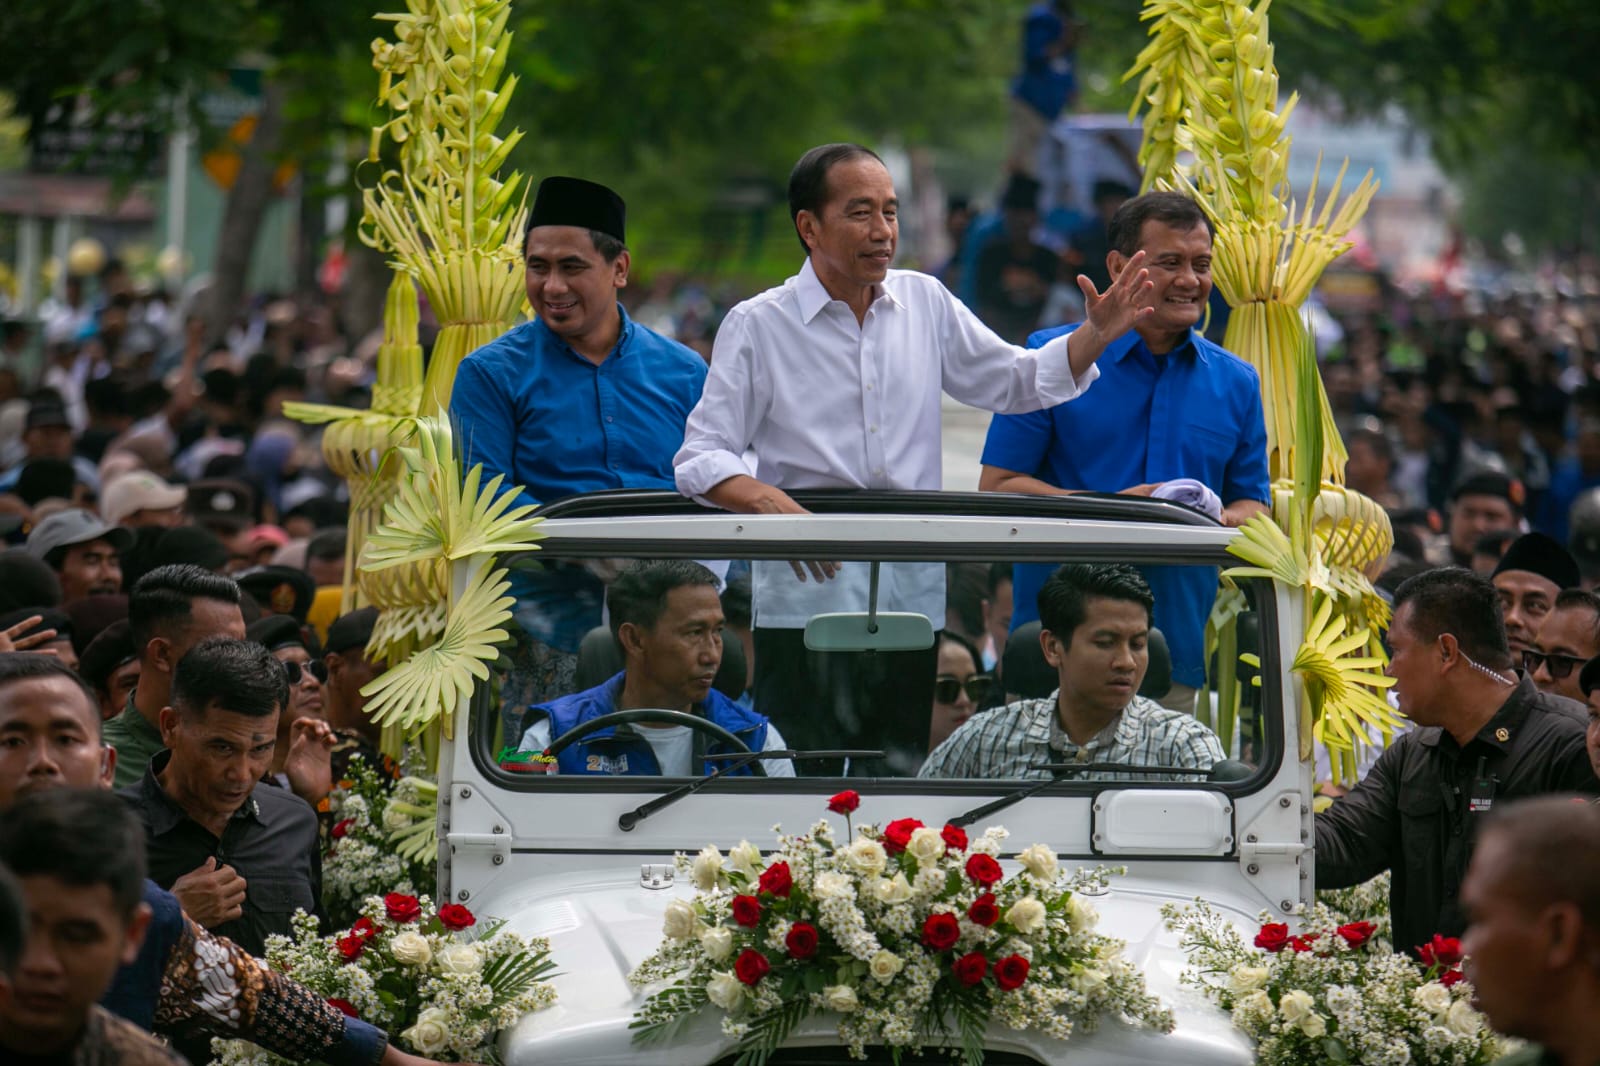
(1192, 413)
(527, 406)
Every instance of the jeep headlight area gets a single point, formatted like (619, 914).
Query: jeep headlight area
(863, 668)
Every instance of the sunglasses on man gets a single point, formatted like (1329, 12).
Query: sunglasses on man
(297, 671)
(1560, 666)
(947, 689)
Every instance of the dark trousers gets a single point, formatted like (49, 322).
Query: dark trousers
(875, 700)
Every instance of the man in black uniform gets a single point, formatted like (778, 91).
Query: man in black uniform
(1484, 737)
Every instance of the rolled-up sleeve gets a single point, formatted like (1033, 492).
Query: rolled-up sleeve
(985, 371)
(722, 424)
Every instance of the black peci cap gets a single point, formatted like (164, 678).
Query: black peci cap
(576, 202)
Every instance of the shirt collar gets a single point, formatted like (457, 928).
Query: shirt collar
(811, 297)
(164, 812)
(136, 721)
(1118, 349)
(624, 335)
(1502, 730)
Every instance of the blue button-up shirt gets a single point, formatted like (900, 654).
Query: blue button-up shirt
(527, 406)
(1192, 413)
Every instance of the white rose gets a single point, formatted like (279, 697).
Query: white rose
(428, 1036)
(1432, 997)
(395, 820)
(460, 958)
(1081, 915)
(841, 998)
(1089, 980)
(1040, 861)
(411, 948)
(867, 857)
(725, 990)
(1296, 1005)
(1257, 1005)
(1246, 979)
(745, 857)
(1313, 1026)
(717, 942)
(831, 885)
(926, 845)
(681, 921)
(885, 964)
(892, 890)
(707, 869)
(1463, 1019)
(1026, 915)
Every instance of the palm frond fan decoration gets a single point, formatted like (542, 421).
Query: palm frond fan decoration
(1208, 89)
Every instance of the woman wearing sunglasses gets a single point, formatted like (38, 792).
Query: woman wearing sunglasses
(286, 639)
(959, 689)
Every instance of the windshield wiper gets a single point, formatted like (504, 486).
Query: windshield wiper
(735, 761)
(1063, 772)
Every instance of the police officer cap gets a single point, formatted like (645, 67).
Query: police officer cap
(576, 202)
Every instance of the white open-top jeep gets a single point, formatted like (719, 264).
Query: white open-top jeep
(566, 856)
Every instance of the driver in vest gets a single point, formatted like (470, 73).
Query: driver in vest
(666, 617)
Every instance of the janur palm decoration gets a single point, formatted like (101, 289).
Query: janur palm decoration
(1208, 87)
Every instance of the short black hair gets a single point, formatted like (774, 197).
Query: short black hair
(1378, 442)
(639, 594)
(79, 836)
(808, 181)
(327, 544)
(1454, 600)
(43, 479)
(27, 581)
(238, 676)
(965, 586)
(1169, 208)
(736, 602)
(29, 666)
(999, 574)
(163, 599)
(1553, 848)
(1581, 600)
(607, 245)
(13, 922)
(1494, 542)
(1064, 598)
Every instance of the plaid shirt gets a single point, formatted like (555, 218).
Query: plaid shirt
(1008, 742)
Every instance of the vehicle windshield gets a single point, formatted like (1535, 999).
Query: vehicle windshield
(925, 669)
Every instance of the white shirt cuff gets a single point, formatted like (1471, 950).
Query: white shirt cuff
(1055, 381)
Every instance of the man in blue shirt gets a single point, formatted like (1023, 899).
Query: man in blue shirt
(1170, 405)
(580, 399)
(1047, 83)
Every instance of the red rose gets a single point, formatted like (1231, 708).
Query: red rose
(346, 1008)
(983, 869)
(746, 910)
(802, 940)
(1302, 944)
(897, 834)
(941, 931)
(1357, 933)
(350, 946)
(455, 916)
(954, 837)
(401, 908)
(776, 879)
(969, 969)
(1274, 937)
(365, 928)
(1444, 950)
(983, 910)
(1010, 972)
(339, 831)
(1451, 977)
(751, 966)
(845, 802)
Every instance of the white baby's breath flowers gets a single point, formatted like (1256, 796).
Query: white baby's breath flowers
(841, 998)
(430, 1033)
(717, 942)
(725, 990)
(1295, 1005)
(866, 857)
(1040, 861)
(884, 965)
(926, 845)
(745, 858)
(410, 948)
(706, 871)
(460, 959)
(1432, 997)
(1252, 1009)
(680, 921)
(1026, 915)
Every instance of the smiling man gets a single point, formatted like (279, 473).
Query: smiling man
(1096, 631)
(1568, 638)
(1527, 581)
(1170, 405)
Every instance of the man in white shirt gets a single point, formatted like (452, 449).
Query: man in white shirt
(833, 380)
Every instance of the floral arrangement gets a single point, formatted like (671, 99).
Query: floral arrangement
(1336, 992)
(912, 935)
(369, 809)
(1368, 901)
(439, 982)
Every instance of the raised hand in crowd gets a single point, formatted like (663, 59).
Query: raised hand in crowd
(10, 641)
(211, 894)
(308, 766)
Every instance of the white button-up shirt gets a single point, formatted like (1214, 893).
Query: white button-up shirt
(825, 402)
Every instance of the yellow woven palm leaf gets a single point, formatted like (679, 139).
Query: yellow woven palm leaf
(1341, 687)
(429, 685)
(1268, 551)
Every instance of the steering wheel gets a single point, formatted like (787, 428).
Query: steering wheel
(662, 716)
